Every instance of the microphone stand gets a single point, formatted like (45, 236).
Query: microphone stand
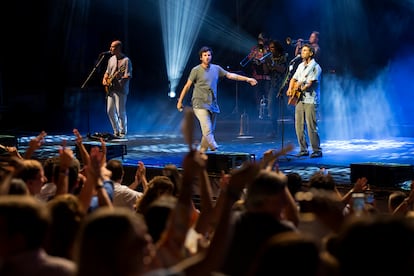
(98, 63)
(288, 75)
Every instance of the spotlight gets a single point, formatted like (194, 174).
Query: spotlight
(171, 94)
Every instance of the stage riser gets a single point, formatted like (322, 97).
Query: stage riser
(218, 162)
(382, 174)
(8, 141)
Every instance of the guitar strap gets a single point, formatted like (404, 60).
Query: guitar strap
(309, 69)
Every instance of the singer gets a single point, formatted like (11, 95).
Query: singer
(205, 77)
(305, 87)
(116, 82)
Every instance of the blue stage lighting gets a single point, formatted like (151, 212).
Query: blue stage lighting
(180, 21)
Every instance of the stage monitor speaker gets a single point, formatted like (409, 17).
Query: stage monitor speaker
(8, 140)
(382, 174)
(226, 161)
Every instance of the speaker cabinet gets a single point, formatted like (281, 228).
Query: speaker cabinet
(222, 161)
(8, 140)
(382, 174)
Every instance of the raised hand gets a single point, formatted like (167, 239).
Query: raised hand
(187, 127)
(35, 144)
(270, 156)
(78, 136)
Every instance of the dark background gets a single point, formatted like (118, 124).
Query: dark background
(49, 48)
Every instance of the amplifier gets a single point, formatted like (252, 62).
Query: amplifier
(226, 161)
(382, 174)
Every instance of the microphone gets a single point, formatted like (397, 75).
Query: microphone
(264, 56)
(105, 53)
(295, 59)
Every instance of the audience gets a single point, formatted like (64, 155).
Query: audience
(157, 186)
(53, 170)
(287, 253)
(64, 216)
(380, 245)
(171, 171)
(157, 214)
(294, 183)
(128, 232)
(18, 187)
(113, 241)
(24, 223)
(32, 173)
(124, 196)
(266, 203)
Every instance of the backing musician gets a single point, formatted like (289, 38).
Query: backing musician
(277, 64)
(313, 41)
(259, 69)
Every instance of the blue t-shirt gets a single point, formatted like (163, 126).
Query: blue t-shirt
(109, 187)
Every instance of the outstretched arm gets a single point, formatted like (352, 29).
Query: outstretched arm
(84, 154)
(237, 77)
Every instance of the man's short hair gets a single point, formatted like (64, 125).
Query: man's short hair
(205, 49)
(311, 48)
(267, 183)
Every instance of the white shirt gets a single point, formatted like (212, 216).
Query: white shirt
(125, 196)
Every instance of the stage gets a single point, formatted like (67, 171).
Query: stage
(382, 160)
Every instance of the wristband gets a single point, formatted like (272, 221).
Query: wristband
(99, 186)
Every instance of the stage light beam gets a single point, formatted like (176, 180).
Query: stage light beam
(181, 21)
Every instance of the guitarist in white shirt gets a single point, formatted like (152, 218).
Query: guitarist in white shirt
(304, 93)
(116, 82)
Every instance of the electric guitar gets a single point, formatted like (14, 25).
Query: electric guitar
(110, 83)
(296, 93)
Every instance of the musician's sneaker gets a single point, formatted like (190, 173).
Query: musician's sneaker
(215, 149)
(302, 153)
(316, 154)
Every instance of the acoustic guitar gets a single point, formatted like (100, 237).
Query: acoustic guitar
(296, 93)
(110, 81)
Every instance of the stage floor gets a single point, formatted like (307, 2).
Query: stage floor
(158, 150)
